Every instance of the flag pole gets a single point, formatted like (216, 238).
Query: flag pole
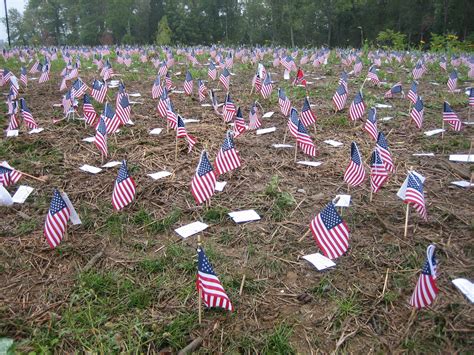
(371, 194)
(200, 292)
(406, 220)
(31, 176)
(296, 149)
(176, 148)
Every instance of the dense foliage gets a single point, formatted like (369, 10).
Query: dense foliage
(394, 23)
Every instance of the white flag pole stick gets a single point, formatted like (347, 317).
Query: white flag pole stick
(200, 292)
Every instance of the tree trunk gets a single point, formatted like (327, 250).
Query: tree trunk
(292, 36)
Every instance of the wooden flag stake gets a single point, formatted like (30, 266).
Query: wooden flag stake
(469, 114)
(31, 176)
(442, 133)
(296, 150)
(176, 148)
(200, 292)
(406, 221)
(371, 194)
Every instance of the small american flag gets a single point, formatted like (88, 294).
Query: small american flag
(357, 108)
(68, 102)
(284, 102)
(450, 117)
(426, 290)
(382, 147)
(378, 172)
(224, 79)
(417, 111)
(123, 109)
(396, 89)
(267, 87)
(288, 63)
(330, 232)
(89, 112)
(182, 133)
(44, 77)
(203, 183)
(27, 116)
(163, 103)
(340, 97)
(254, 120)
(7, 74)
(229, 109)
(112, 122)
(308, 117)
(212, 71)
(228, 158)
(355, 172)
(124, 188)
(163, 69)
(8, 175)
(188, 83)
(209, 286)
(418, 71)
(171, 116)
(56, 220)
(78, 88)
(471, 96)
(168, 82)
(99, 91)
(413, 93)
(442, 63)
(257, 82)
(101, 137)
(239, 124)
(202, 90)
(156, 89)
(370, 125)
(343, 79)
(13, 123)
(414, 195)
(372, 75)
(357, 66)
(23, 76)
(453, 80)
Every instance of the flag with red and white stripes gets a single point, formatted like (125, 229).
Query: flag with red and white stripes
(228, 158)
(370, 125)
(124, 188)
(426, 289)
(56, 220)
(355, 172)
(357, 108)
(450, 117)
(284, 102)
(203, 183)
(378, 172)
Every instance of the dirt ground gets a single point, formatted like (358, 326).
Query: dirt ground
(138, 295)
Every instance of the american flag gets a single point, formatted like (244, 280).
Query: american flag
(182, 133)
(357, 66)
(157, 89)
(370, 125)
(101, 137)
(214, 103)
(13, 123)
(417, 111)
(188, 83)
(124, 188)
(99, 91)
(44, 77)
(299, 79)
(202, 90)
(34, 68)
(378, 172)
(123, 109)
(330, 232)
(224, 79)
(451, 118)
(453, 80)
(418, 71)
(254, 120)
(414, 195)
(229, 109)
(56, 220)
(204, 180)
(171, 116)
(442, 63)
(340, 97)
(229, 61)
(267, 87)
(471, 96)
(357, 108)
(163, 103)
(307, 115)
(382, 147)
(89, 112)
(8, 175)
(23, 76)
(288, 63)
(303, 139)
(293, 122)
(413, 93)
(7, 74)
(78, 88)
(112, 122)
(163, 69)
(107, 71)
(73, 73)
(426, 290)
(209, 286)
(68, 102)
(372, 75)
(343, 79)
(257, 82)
(27, 116)
(284, 102)
(228, 158)
(212, 71)
(239, 124)
(13, 93)
(355, 172)
(396, 89)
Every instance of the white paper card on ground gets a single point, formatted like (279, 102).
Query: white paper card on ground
(178, 91)
(156, 131)
(282, 146)
(466, 158)
(388, 118)
(220, 185)
(190, 120)
(36, 130)
(135, 103)
(111, 164)
(266, 130)
(57, 105)
(382, 106)
(435, 84)
(403, 189)
(423, 154)
(462, 183)
(90, 169)
(136, 94)
(159, 175)
(433, 132)
(344, 200)
(74, 218)
(244, 216)
(206, 105)
(286, 75)
(333, 143)
(268, 114)
(319, 261)
(5, 198)
(178, 73)
(22, 194)
(466, 287)
(191, 229)
(309, 163)
(12, 133)
(468, 123)
(89, 139)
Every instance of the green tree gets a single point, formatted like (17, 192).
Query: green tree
(163, 36)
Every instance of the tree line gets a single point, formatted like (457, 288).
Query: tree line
(303, 23)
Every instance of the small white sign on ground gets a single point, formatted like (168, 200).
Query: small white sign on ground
(191, 229)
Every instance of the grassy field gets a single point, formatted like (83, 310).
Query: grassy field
(139, 295)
